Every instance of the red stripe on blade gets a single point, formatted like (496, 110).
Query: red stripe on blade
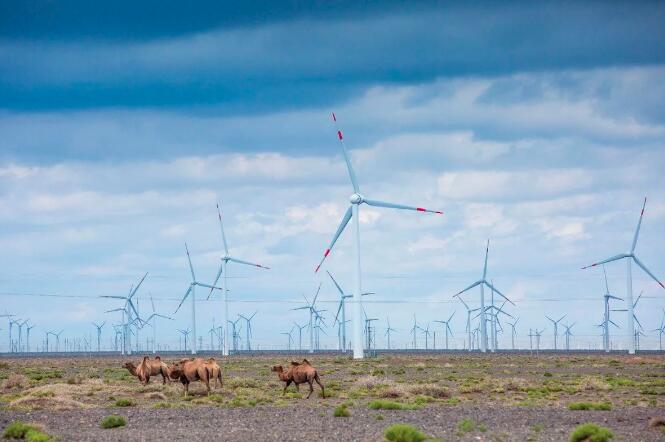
(339, 134)
(326, 253)
(420, 209)
(334, 117)
(317, 268)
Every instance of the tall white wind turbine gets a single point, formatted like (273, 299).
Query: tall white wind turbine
(482, 283)
(154, 317)
(556, 327)
(223, 269)
(630, 258)
(446, 327)
(356, 200)
(192, 291)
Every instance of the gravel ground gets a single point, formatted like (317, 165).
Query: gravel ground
(314, 421)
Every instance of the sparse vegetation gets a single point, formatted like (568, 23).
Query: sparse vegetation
(341, 411)
(20, 430)
(113, 421)
(124, 402)
(605, 406)
(466, 425)
(591, 433)
(403, 433)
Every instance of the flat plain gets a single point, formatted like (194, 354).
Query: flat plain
(500, 397)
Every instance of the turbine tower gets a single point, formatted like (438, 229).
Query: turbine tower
(556, 327)
(248, 329)
(300, 329)
(568, 334)
(222, 269)
(191, 291)
(154, 317)
(356, 200)
(630, 258)
(513, 332)
(312, 312)
(468, 322)
(389, 329)
(447, 327)
(482, 283)
(127, 310)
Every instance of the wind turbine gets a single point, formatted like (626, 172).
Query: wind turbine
(192, 291)
(389, 329)
(482, 283)
(414, 329)
(99, 334)
(568, 334)
(235, 334)
(154, 317)
(11, 323)
(185, 334)
(128, 309)
(27, 338)
(426, 332)
(222, 269)
(606, 316)
(248, 329)
(447, 327)
(356, 200)
(556, 327)
(312, 312)
(661, 331)
(630, 258)
(342, 309)
(468, 321)
(20, 334)
(300, 329)
(290, 338)
(57, 340)
(513, 332)
(538, 335)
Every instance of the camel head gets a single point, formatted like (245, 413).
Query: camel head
(277, 368)
(128, 365)
(176, 369)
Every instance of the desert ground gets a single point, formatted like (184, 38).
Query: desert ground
(501, 397)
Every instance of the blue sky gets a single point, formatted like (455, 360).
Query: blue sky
(540, 126)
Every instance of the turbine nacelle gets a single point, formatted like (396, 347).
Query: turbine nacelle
(356, 198)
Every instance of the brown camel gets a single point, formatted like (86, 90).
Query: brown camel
(214, 372)
(149, 368)
(190, 370)
(299, 373)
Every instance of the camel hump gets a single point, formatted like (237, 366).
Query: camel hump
(157, 358)
(306, 362)
(211, 359)
(146, 358)
(295, 364)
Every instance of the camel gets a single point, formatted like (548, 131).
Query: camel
(214, 372)
(190, 370)
(149, 368)
(299, 373)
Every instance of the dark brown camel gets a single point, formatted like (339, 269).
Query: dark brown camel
(299, 373)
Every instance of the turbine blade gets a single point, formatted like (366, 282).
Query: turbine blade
(349, 166)
(614, 323)
(138, 285)
(340, 229)
(376, 203)
(637, 230)
(639, 263)
(614, 258)
(336, 285)
(183, 299)
(607, 287)
(338, 310)
(219, 273)
(239, 261)
(638, 321)
(317, 295)
(638, 299)
(113, 297)
(152, 303)
(469, 288)
(221, 228)
(211, 287)
(494, 288)
(189, 259)
(487, 252)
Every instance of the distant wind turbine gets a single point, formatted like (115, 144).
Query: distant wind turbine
(556, 327)
(446, 327)
(630, 258)
(356, 200)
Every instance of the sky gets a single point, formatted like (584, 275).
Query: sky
(538, 126)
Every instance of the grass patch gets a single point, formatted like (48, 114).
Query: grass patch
(38, 374)
(604, 406)
(466, 425)
(20, 430)
(382, 404)
(124, 402)
(163, 405)
(113, 421)
(341, 411)
(403, 433)
(591, 433)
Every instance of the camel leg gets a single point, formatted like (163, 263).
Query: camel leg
(323, 394)
(287, 386)
(311, 388)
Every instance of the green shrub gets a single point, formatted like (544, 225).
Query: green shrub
(466, 425)
(591, 433)
(604, 406)
(341, 411)
(382, 404)
(19, 430)
(403, 433)
(124, 402)
(113, 421)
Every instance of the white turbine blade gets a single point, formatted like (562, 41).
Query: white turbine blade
(189, 259)
(336, 285)
(637, 230)
(219, 273)
(614, 258)
(345, 220)
(138, 285)
(152, 303)
(317, 295)
(638, 299)
(239, 261)
(115, 310)
(638, 322)
(607, 287)
(465, 304)
(221, 228)
(614, 323)
(614, 297)
(338, 310)
(301, 308)
(487, 252)
(349, 166)
(469, 288)
(376, 203)
(451, 317)
(639, 263)
(183, 299)
(497, 291)
(211, 287)
(131, 304)
(113, 297)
